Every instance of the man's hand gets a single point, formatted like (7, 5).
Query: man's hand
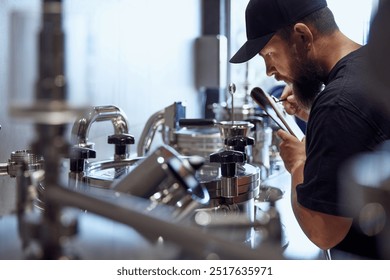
(291, 105)
(291, 150)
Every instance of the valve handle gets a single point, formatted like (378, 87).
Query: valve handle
(239, 143)
(120, 141)
(228, 160)
(78, 155)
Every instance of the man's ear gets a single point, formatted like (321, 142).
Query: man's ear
(303, 36)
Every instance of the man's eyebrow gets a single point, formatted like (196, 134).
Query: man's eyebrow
(262, 52)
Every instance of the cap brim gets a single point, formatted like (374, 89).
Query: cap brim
(250, 49)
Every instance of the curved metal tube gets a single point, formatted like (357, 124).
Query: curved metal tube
(146, 139)
(168, 118)
(111, 113)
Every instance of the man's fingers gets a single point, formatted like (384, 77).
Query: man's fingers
(287, 91)
(291, 109)
(282, 134)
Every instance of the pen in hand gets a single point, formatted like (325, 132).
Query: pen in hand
(278, 100)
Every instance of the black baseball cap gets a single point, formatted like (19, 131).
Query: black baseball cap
(264, 17)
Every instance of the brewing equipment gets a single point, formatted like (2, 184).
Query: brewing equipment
(245, 142)
(121, 138)
(173, 181)
(202, 145)
(199, 140)
(157, 198)
(186, 135)
(82, 150)
(17, 159)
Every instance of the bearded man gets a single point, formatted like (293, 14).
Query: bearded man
(302, 45)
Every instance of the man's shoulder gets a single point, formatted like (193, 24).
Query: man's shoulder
(350, 66)
(347, 82)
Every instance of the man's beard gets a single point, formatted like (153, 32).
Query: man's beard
(308, 83)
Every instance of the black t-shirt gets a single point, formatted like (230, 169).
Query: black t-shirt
(342, 124)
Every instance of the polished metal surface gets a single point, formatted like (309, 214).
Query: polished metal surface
(98, 238)
(17, 159)
(236, 128)
(198, 141)
(137, 236)
(104, 173)
(248, 181)
(149, 131)
(4, 169)
(110, 113)
(173, 181)
(166, 119)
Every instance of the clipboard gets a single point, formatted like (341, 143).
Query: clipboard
(277, 113)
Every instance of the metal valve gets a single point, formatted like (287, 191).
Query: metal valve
(120, 141)
(18, 158)
(78, 155)
(239, 143)
(228, 160)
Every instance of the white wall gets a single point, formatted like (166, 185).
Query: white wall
(134, 54)
(137, 55)
(353, 17)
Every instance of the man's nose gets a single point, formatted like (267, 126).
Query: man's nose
(270, 70)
